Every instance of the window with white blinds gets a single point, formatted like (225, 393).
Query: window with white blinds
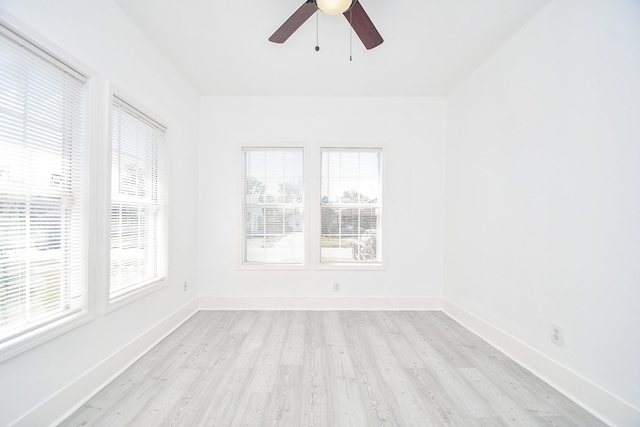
(42, 220)
(351, 206)
(273, 206)
(138, 211)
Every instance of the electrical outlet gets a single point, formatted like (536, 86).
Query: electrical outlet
(185, 286)
(557, 335)
(336, 287)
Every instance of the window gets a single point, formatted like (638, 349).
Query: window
(42, 201)
(138, 213)
(273, 206)
(351, 206)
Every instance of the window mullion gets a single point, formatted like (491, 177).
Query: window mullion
(26, 179)
(27, 255)
(340, 228)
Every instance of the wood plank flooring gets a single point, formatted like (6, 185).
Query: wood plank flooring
(331, 368)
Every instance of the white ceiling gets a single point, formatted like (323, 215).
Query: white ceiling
(430, 46)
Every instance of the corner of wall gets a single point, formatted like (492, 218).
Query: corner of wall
(603, 404)
(59, 406)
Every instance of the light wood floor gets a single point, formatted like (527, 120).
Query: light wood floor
(332, 368)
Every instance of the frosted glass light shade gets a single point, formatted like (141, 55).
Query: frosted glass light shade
(333, 7)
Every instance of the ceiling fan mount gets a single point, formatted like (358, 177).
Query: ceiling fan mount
(354, 12)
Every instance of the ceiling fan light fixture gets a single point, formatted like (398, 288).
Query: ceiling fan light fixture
(333, 7)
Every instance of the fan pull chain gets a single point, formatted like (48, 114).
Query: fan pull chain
(350, 35)
(317, 31)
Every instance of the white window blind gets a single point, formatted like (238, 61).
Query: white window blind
(138, 211)
(351, 205)
(274, 223)
(42, 232)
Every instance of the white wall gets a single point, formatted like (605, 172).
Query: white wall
(541, 208)
(97, 33)
(412, 133)
(542, 219)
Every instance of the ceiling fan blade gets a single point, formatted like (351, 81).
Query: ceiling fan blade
(294, 22)
(363, 26)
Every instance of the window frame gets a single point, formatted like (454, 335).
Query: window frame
(43, 48)
(382, 215)
(249, 266)
(163, 280)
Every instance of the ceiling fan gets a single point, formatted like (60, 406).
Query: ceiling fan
(353, 11)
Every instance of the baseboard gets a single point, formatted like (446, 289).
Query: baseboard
(70, 398)
(319, 303)
(603, 404)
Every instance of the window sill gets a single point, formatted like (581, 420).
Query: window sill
(135, 295)
(39, 336)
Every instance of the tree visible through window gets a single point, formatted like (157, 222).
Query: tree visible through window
(350, 206)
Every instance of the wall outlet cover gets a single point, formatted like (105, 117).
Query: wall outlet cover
(557, 335)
